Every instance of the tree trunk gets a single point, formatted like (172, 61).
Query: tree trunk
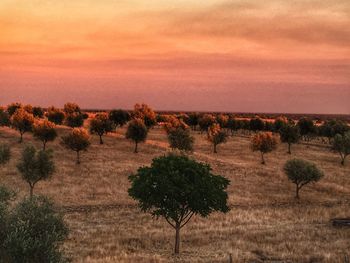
(342, 160)
(262, 158)
(177, 239)
(101, 141)
(44, 145)
(78, 157)
(135, 150)
(297, 191)
(215, 148)
(21, 139)
(289, 151)
(31, 190)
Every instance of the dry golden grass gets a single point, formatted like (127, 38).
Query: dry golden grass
(265, 223)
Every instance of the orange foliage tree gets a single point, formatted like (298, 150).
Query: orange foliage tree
(264, 142)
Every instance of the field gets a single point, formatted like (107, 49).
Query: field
(265, 223)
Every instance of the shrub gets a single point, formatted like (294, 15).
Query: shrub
(5, 154)
(289, 134)
(176, 187)
(101, 125)
(35, 232)
(264, 142)
(341, 145)
(22, 121)
(77, 140)
(35, 166)
(55, 115)
(45, 131)
(301, 173)
(180, 138)
(136, 131)
(216, 136)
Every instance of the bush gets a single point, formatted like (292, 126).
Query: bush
(176, 187)
(180, 138)
(77, 140)
(45, 131)
(35, 166)
(35, 232)
(341, 145)
(264, 142)
(301, 173)
(5, 153)
(136, 131)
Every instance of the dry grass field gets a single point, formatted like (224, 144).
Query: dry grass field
(265, 224)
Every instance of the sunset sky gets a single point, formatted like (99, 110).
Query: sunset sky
(218, 55)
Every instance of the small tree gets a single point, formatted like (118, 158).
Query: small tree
(279, 123)
(307, 128)
(222, 120)
(101, 125)
(5, 153)
(35, 166)
(45, 131)
(38, 112)
(192, 120)
(55, 115)
(35, 232)
(4, 117)
(77, 140)
(233, 124)
(289, 134)
(136, 131)
(176, 187)
(180, 138)
(301, 173)
(145, 113)
(206, 121)
(13, 107)
(71, 107)
(264, 142)
(74, 120)
(341, 144)
(22, 121)
(119, 117)
(256, 124)
(216, 136)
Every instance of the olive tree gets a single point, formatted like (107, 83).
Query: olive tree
(44, 131)
(137, 132)
(4, 117)
(35, 166)
(256, 124)
(301, 173)
(101, 125)
(341, 145)
(22, 121)
(216, 136)
(176, 188)
(35, 232)
(77, 140)
(13, 107)
(206, 121)
(145, 113)
(180, 138)
(264, 142)
(38, 112)
(119, 117)
(289, 134)
(307, 128)
(55, 115)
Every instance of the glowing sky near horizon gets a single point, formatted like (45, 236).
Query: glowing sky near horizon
(219, 55)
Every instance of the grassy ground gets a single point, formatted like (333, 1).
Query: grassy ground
(265, 224)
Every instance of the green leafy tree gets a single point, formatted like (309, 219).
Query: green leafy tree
(35, 232)
(264, 142)
(289, 134)
(176, 187)
(137, 132)
(5, 153)
(101, 125)
(22, 121)
(35, 166)
(44, 131)
(341, 145)
(119, 117)
(180, 138)
(55, 115)
(77, 140)
(301, 173)
(216, 136)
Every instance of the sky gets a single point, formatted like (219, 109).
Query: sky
(216, 55)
